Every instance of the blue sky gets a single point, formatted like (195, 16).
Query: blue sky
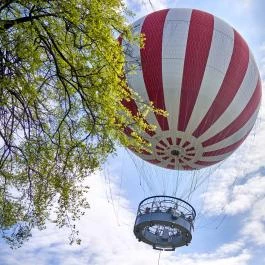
(230, 228)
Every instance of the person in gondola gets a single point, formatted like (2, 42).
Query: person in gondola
(147, 210)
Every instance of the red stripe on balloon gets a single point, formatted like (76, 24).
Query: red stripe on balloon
(171, 166)
(151, 133)
(190, 149)
(131, 105)
(120, 39)
(151, 60)
(226, 149)
(240, 121)
(234, 76)
(163, 143)
(169, 139)
(160, 148)
(190, 154)
(128, 131)
(144, 152)
(197, 51)
(185, 144)
(207, 163)
(187, 167)
(153, 161)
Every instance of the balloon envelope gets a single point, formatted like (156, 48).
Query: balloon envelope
(201, 71)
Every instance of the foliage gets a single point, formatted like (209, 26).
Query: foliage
(61, 90)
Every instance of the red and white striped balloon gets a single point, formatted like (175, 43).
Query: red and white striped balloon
(201, 71)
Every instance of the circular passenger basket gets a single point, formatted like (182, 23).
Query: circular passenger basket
(164, 222)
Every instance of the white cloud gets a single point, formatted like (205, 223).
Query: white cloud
(107, 238)
(244, 196)
(144, 7)
(238, 187)
(240, 181)
(241, 258)
(261, 53)
(254, 225)
(231, 248)
(245, 3)
(106, 230)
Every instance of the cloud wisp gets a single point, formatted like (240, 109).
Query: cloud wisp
(107, 238)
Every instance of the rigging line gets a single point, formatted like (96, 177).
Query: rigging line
(208, 175)
(232, 186)
(159, 255)
(196, 181)
(186, 188)
(145, 173)
(147, 177)
(120, 185)
(205, 223)
(158, 177)
(223, 208)
(195, 184)
(112, 200)
(150, 2)
(108, 192)
(172, 183)
(105, 184)
(165, 179)
(163, 184)
(202, 201)
(191, 187)
(139, 175)
(177, 182)
(140, 172)
(221, 222)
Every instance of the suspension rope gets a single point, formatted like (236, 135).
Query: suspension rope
(159, 254)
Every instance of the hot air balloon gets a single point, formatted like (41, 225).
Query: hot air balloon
(199, 70)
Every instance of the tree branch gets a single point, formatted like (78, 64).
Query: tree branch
(7, 24)
(6, 4)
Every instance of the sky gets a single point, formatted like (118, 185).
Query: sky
(230, 228)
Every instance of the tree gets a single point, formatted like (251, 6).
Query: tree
(61, 111)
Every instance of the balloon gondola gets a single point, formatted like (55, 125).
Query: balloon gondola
(165, 222)
(198, 69)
